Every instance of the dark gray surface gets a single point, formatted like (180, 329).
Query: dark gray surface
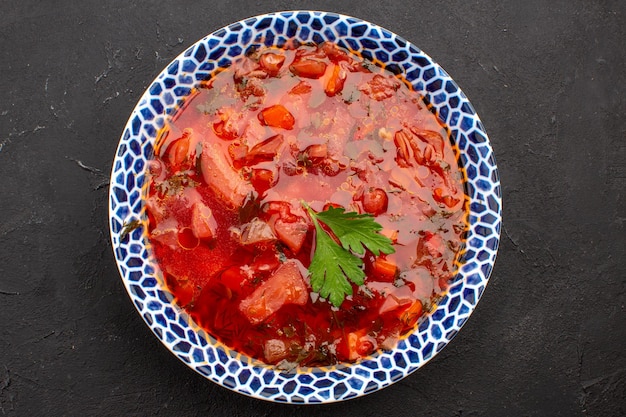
(548, 80)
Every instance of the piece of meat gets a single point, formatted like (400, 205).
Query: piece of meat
(285, 286)
(222, 177)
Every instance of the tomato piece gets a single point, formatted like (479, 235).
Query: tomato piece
(447, 199)
(282, 208)
(292, 234)
(410, 316)
(384, 269)
(360, 344)
(266, 150)
(365, 346)
(263, 179)
(186, 239)
(380, 88)
(271, 63)
(331, 168)
(238, 152)
(404, 148)
(272, 207)
(429, 156)
(334, 53)
(277, 116)
(375, 201)
(285, 286)
(336, 81)
(333, 205)
(203, 224)
(301, 88)
(229, 123)
(431, 138)
(178, 152)
(450, 201)
(317, 151)
(314, 154)
(261, 152)
(308, 68)
(224, 131)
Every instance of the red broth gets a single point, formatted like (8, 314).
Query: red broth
(225, 196)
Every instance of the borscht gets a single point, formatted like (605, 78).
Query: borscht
(305, 206)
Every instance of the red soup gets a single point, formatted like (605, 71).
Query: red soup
(305, 207)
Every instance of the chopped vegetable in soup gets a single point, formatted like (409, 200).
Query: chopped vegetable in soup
(306, 208)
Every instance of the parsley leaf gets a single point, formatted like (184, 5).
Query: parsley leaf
(334, 266)
(356, 231)
(129, 227)
(330, 266)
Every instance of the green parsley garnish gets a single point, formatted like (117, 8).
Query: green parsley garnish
(129, 227)
(334, 266)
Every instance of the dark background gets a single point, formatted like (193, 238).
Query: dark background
(548, 80)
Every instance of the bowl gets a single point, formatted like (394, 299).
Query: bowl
(202, 352)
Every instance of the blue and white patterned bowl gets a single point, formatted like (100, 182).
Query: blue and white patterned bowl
(141, 275)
